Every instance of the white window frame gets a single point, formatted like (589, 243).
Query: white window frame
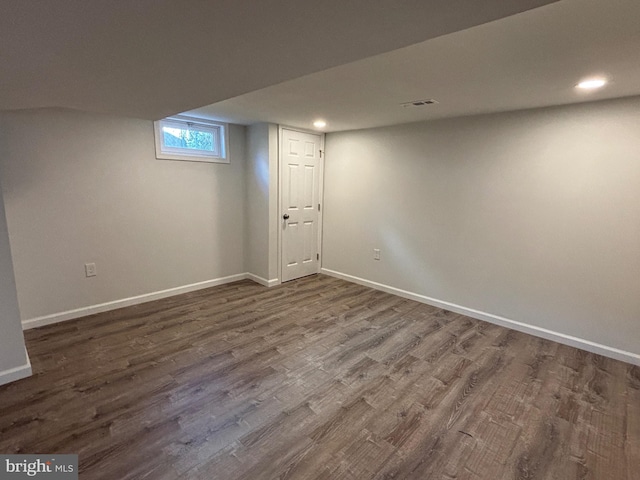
(220, 137)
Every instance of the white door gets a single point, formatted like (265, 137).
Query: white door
(300, 212)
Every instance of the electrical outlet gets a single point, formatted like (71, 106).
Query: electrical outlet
(376, 254)
(90, 269)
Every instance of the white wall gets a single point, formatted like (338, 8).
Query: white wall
(13, 359)
(257, 201)
(532, 216)
(83, 188)
(261, 202)
(274, 206)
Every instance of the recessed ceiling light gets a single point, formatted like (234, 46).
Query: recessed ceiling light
(592, 83)
(319, 124)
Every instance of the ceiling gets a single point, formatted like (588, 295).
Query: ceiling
(532, 59)
(153, 58)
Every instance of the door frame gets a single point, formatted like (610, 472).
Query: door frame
(281, 129)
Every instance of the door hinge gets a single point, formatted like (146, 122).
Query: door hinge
(317, 256)
(320, 153)
(318, 207)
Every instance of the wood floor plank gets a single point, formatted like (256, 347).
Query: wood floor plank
(318, 379)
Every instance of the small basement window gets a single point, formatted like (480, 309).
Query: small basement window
(191, 139)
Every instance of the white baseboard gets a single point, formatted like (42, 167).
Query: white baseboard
(16, 373)
(565, 339)
(263, 281)
(127, 302)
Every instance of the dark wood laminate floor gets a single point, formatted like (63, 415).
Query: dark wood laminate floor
(318, 379)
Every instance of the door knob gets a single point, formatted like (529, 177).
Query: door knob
(285, 216)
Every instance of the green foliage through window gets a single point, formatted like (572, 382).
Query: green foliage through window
(187, 138)
(190, 139)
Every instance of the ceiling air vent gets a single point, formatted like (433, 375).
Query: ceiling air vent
(419, 103)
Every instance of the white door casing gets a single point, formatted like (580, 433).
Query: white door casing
(300, 171)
